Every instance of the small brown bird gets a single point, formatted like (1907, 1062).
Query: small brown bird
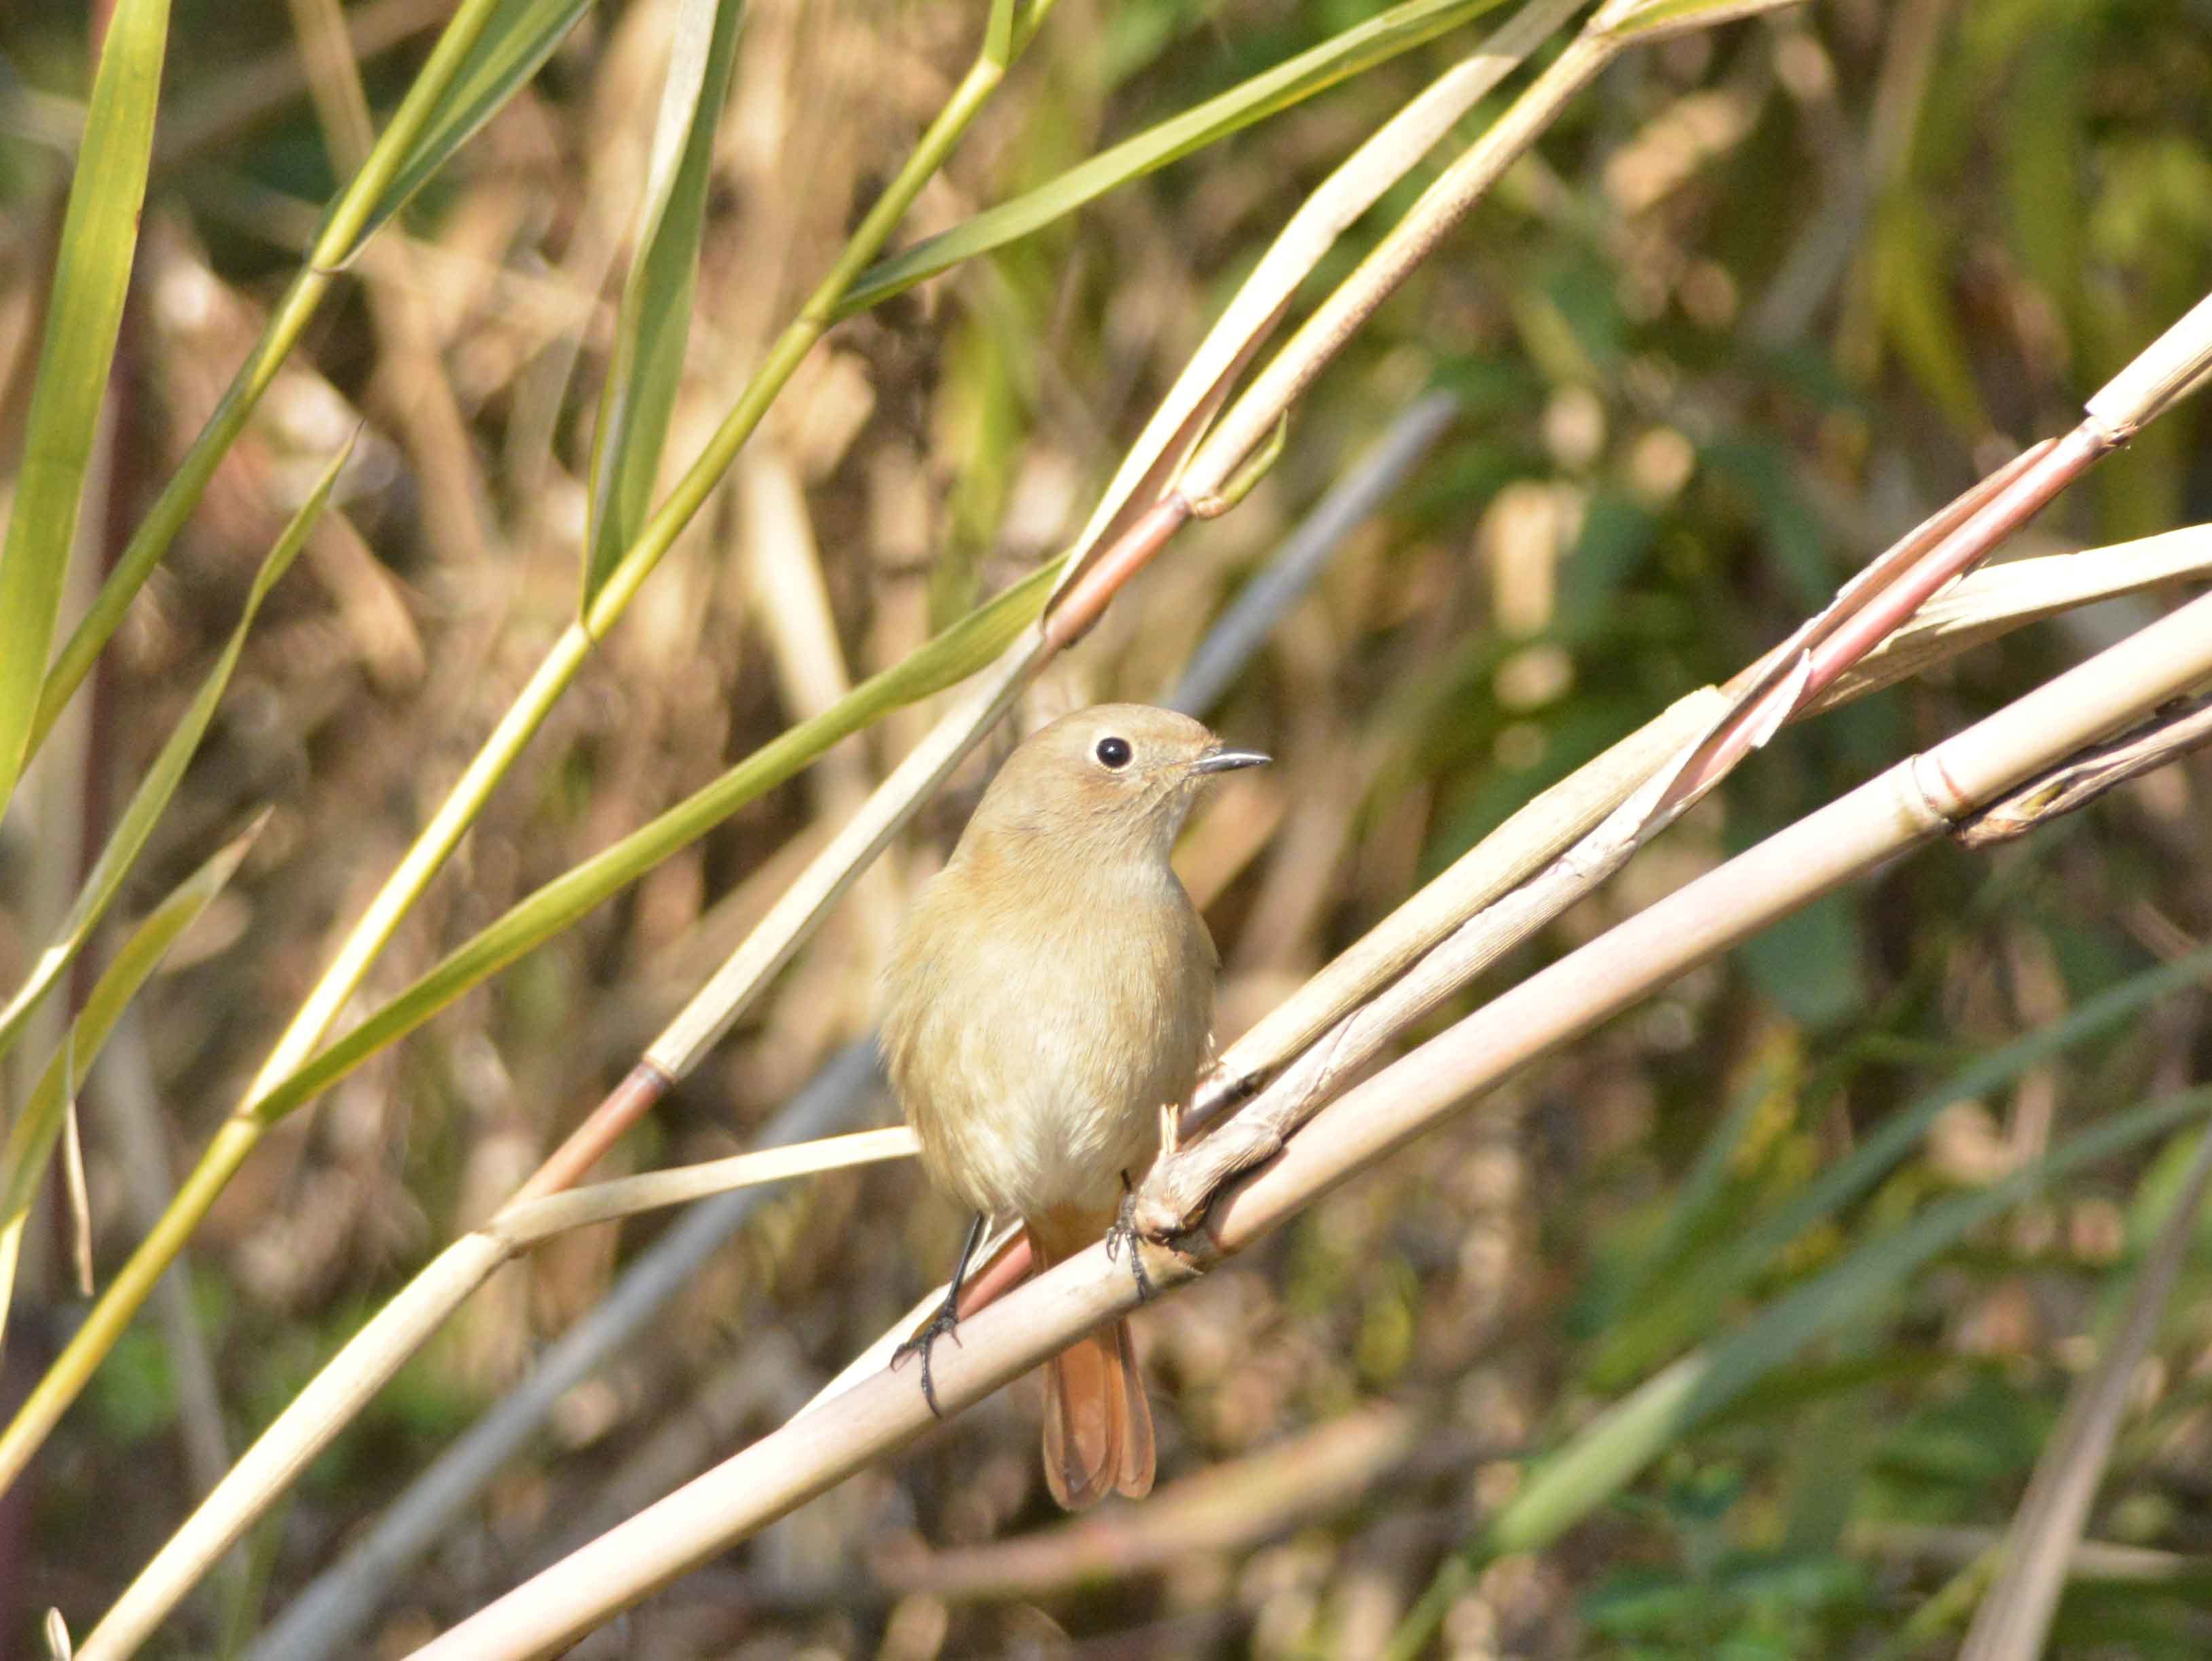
(1051, 991)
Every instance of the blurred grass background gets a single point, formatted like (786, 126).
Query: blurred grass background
(1764, 298)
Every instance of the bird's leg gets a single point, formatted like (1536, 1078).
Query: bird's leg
(1124, 1232)
(942, 1323)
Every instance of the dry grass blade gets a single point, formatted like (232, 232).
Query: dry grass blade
(1898, 581)
(1876, 603)
(2092, 1560)
(528, 1221)
(2172, 367)
(1986, 605)
(76, 1200)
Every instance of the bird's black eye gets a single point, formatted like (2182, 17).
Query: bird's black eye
(1113, 753)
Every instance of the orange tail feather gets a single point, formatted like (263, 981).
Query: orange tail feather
(1097, 1422)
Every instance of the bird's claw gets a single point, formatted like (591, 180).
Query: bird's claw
(943, 1324)
(1124, 1234)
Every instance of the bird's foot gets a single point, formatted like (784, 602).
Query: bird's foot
(1124, 1234)
(943, 1324)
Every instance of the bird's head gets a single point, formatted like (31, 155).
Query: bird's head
(1116, 778)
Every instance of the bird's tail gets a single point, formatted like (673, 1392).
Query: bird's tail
(1097, 1424)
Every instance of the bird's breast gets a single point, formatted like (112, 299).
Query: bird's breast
(1033, 1047)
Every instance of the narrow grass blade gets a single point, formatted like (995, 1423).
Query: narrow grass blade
(959, 652)
(31, 1138)
(533, 1220)
(76, 1200)
(92, 275)
(655, 320)
(1380, 38)
(155, 790)
(514, 45)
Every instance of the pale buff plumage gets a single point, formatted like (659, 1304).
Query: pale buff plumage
(1052, 989)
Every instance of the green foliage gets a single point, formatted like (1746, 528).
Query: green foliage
(1744, 1605)
(1813, 963)
(136, 1395)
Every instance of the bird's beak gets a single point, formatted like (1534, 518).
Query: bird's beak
(1228, 761)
